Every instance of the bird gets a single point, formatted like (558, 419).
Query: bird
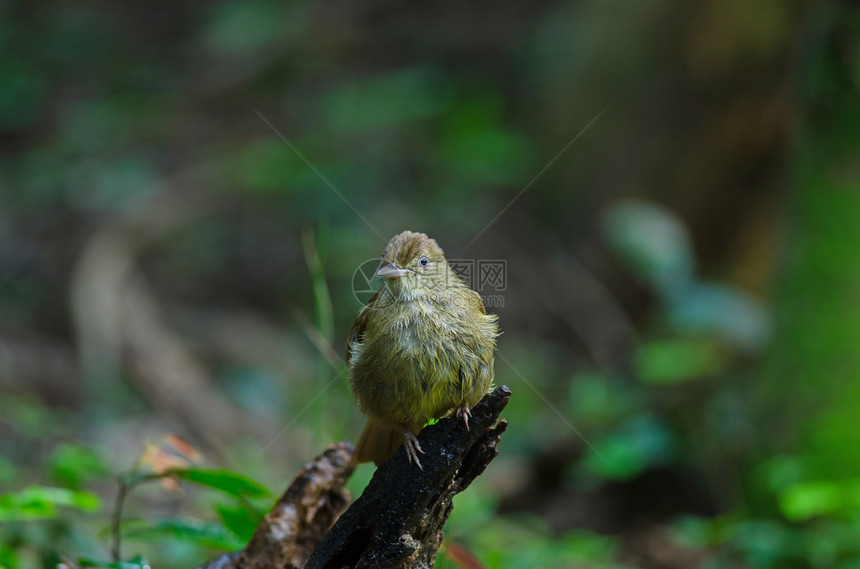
(421, 348)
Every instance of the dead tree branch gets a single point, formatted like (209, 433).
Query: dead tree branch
(396, 523)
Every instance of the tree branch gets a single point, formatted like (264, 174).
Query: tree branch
(396, 523)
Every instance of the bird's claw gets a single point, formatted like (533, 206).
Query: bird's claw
(464, 413)
(410, 441)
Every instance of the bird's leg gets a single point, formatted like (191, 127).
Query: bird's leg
(464, 413)
(410, 441)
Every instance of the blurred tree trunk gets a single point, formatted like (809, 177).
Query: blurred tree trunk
(811, 383)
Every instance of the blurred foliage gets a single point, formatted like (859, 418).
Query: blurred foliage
(178, 238)
(526, 543)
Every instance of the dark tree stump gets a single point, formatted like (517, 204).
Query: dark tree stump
(397, 521)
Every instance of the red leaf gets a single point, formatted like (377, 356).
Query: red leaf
(462, 557)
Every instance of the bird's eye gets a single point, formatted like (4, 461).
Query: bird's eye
(423, 261)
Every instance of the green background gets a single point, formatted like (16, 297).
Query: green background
(187, 190)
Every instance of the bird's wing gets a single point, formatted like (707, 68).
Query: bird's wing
(479, 303)
(359, 325)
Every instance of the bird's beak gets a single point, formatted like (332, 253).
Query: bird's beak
(391, 271)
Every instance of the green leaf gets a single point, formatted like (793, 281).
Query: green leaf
(712, 308)
(243, 28)
(266, 164)
(598, 400)
(674, 361)
(9, 557)
(642, 442)
(387, 100)
(188, 530)
(138, 562)
(765, 543)
(40, 502)
(812, 498)
(653, 243)
(72, 465)
(525, 542)
(224, 480)
(239, 519)
(618, 459)
(478, 147)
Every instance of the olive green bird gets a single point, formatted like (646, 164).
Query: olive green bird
(421, 348)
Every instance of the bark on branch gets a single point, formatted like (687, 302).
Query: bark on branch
(396, 523)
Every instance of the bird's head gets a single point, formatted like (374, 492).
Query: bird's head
(413, 261)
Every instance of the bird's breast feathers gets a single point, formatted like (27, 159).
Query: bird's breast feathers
(419, 363)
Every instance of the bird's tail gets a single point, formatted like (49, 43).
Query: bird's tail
(377, 443)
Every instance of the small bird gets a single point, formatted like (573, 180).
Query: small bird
(419, 349)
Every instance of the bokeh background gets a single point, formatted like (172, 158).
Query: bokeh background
(187, 189)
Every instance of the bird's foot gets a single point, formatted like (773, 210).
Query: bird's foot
(410, 441)
(464, 413)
